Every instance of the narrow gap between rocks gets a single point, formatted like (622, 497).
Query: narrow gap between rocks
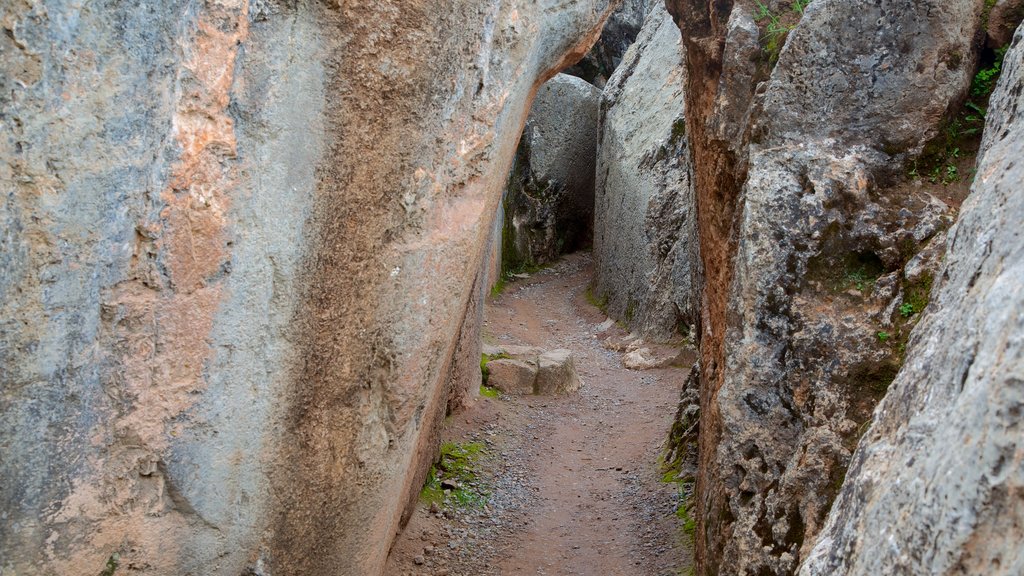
(560, 466)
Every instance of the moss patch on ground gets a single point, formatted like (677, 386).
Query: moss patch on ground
(453, 481)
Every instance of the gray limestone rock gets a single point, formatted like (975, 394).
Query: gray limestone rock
(807, 228)
(936, 485)
(618, 35)
(645, 223)
(549, 203)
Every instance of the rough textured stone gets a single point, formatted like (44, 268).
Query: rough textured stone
(549, 204)
(512, 350)
(937, 483)
(556, 373)
(1003, 19)
(619, 33)
(645, 236)
(239, 242)
(512, 376)
(799, 172)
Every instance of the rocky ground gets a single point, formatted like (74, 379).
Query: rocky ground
(572, 483)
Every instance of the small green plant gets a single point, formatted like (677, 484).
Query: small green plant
(859, 278)
(952, 174)
(907, 310)
(599, 303)
(112, 563)
(452, 481)
(884, 336)
(984, 81)
(940, 157)
(918, 293)
(488, 392)
(777, 26)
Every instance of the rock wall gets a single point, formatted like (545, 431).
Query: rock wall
(549, 203)
(619, 33)
(239, 241)
(645, 246)
(811, 239)
(937, 483)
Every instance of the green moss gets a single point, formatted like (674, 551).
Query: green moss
(689, 523)
(112, 563)
(456, 464)
(484, 359)
(678, 131)
(918, 293)
(498, 287)
(488, 392)
(601, 303)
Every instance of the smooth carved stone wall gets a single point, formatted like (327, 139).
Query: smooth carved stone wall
(239, 245)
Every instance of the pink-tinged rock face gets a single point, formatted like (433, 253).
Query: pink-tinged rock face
(240, 242)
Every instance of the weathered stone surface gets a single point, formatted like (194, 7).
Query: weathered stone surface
(239, 241)
(512, 350)
(619, 33)
(512, 376)
(937, 483)
(1003, 19)
(556, 373)
(806, 229)
(645, 236)
(549, 204)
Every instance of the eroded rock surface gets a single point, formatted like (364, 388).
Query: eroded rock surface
(239, 248)
(645, 235)
(937, 483)
(549, 205)
(619, 33)
(808, 237)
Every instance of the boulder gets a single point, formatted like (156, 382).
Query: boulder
(807, 222)
(549, 202)
(556, 373)
(1003, 19)
(513, 350)
(512, 376)
(239, 244)
(936, 485)
(645, 243)
(619, 33)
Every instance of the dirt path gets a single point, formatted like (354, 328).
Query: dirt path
(573, 481)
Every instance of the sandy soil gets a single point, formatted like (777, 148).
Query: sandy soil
(574, 482)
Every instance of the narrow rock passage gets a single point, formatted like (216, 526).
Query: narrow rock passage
(574, 481)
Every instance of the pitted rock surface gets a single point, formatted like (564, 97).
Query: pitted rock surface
(936, 484)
